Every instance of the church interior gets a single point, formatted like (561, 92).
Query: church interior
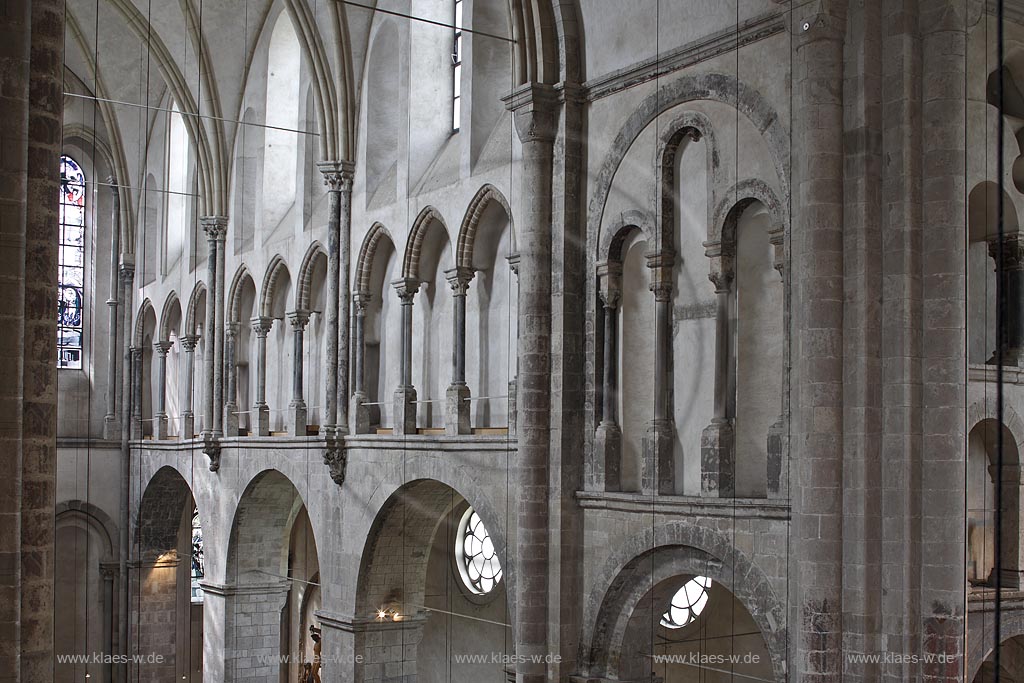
(511, 341)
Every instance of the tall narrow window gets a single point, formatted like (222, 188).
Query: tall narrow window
(198, 564)
(71, 275)
(457, 68)
(178, 191)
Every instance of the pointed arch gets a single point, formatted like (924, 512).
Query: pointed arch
(140, 322)
(270, 280)
(467, 232)
(235, 292)
(364, 264)
(411, 261)
(170, 303)
(198, 290)
(306, 275)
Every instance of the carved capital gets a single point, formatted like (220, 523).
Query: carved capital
(721, 280)
(338, 175)
(661, 264)
(1013, 252)
(109, 570)
(722, 260)
(189, 342)
(231, 329)
(162, 347)
(336, 459)
(261, 326)
(127, 273)
(535, 107)
(609, 275)
(407, 288)
(513, 262)
(215, 227)
(459, 279)
(136, 353)
(298, 319)
(211, 447)
(360, 301)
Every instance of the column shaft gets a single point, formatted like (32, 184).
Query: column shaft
(231, 389)
(188, 344)
(297, 407)
(219, 368)
(209, 358)
(405, 394)
(110, 419)
(261, 327)
(611, 359)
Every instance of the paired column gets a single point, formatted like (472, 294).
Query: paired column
(338, 178)
(536, 119)
(456, 414)
(608, 439)
(212, 231)
(136, 373)
(1010, 271)
(261, 327)
(160, 421)
(188, 418)
(360, 419)
(405, 394)
(717, 442)
(231, 331)
(297, 408)
(111, 428)
(658, 475)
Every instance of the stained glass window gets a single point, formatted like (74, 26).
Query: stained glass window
(687, 604)
(197, 558)
(475, 555)
(71, 261)
(457, 67)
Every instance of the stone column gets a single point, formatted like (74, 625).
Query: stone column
(817, 529)
(536, 120)
(608, 439)
(658, 474)
(124, 499)
(111, 428)
(456, 414)
(231, 390)
(261, 327)
(1012, 575)
(160, 422)
(136, 372)
(1011, 273)
(778, 433)
(513, 264)
(405, 394)
(360, 418)
(210, 357)
(297, 408)
(108, 573)
(188, 417)
(717, 442)
(338, 178)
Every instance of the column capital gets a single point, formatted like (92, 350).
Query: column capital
(162, 347)
(407, 288)
(189, 342)
(338, 175)
(360, 300)
(109, 570)
(535, 106)
(136, 352)
(828, 24)
(127, 272)
(609, 275)
(722, 263)
(298, 319)
(513, 262)
(261, 325)
(215, 227)
(459, 279)
(662, 264)
(1013, 251)
(231, 329)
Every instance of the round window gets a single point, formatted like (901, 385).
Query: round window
(687, 604)
(475, 555)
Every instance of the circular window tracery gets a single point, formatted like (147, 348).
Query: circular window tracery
(688, 603)
(475, 555)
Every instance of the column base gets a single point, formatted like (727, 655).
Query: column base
(188, 426)
(659, 472)
(405, 411)
(717, 460)
(231, 419)
(456, 410)
(161, 427)
(778, 471)
(607, 466)
(261, 419)
(111, 428)
(297, 418)
(359, 414)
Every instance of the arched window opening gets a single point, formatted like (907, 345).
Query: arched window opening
(71, 276)
(457, 68)
(475, 555)
(178, 206)
(281, 144)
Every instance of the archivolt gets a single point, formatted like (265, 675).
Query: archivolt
(306, 275)
(411, 263)
(193, 302)
(364, 265)
(467, 233)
